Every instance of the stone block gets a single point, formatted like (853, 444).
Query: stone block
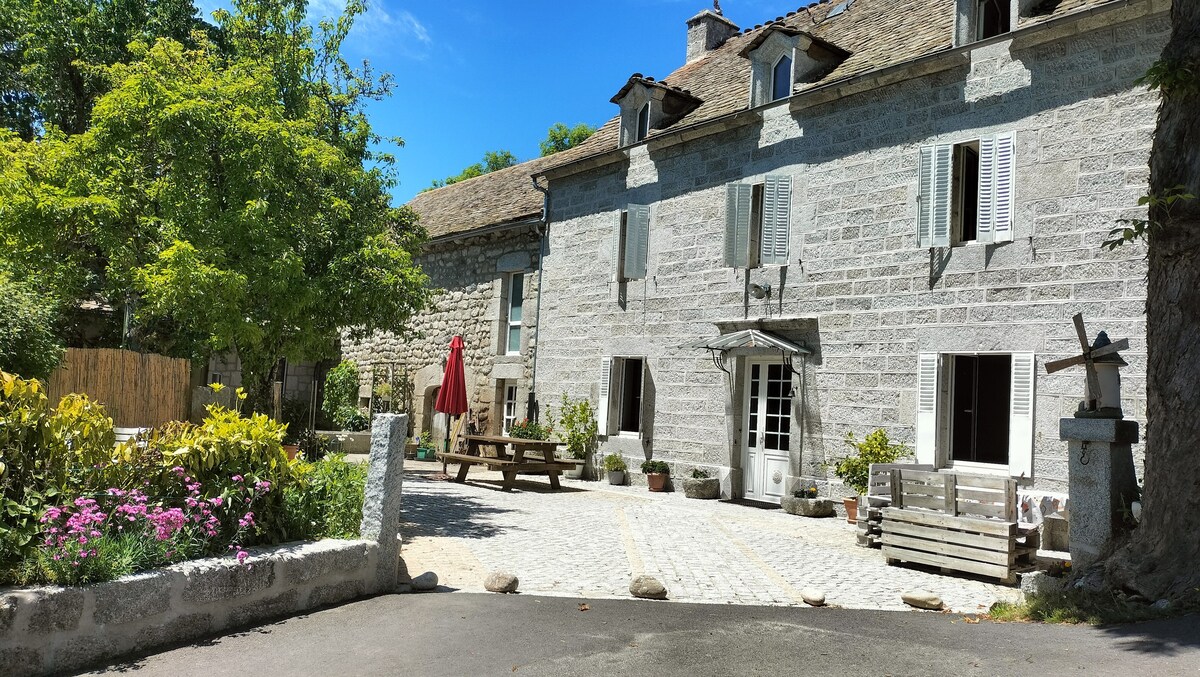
(1041, 583)
(1113, 430)
(85, 651)
(923, 599)
(309, 561)
(132, 597)
(335, 593)
(22, 661)
(1056, 533)
(264, 609)
(175, 631)
(220, 580)
(813, 597)
(807, 507)
(706, 488)
(381, 502)
(56, 610)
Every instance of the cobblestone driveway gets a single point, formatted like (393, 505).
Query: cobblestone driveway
(589, 539)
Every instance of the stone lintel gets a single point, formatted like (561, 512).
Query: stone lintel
(1112, 430)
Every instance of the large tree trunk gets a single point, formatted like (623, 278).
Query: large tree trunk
(1162, 558)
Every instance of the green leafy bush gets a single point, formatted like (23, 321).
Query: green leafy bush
(656, 468)
(341, 391)
(614, 462)
(351, 418)
(578, 427)
(326, 499)
(29, 344)
(699, 474)
(855, 469)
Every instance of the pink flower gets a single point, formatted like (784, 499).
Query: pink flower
(241, 556)
(237, 478)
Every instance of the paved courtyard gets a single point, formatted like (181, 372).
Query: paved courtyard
(591, 538)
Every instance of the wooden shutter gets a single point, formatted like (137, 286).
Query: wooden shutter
(987, 190)
(604, 404)
(738, 201)
(1020, 422)
(776, 219)
(927, 407)
(642, 400)
(637, 237)
(1003, 192)
(937, 171)
(618, 241)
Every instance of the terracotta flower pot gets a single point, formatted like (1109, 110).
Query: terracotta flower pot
(292, 450)
(851, 503)
(657, 481)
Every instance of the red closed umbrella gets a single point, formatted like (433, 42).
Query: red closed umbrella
(452, 398)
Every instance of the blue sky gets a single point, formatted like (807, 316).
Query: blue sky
(479, 75)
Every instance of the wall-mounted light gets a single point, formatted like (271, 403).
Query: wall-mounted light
(760, 291)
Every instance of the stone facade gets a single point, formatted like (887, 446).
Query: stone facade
(473, 273)
(857, 290)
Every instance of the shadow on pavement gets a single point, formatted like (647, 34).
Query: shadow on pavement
(427, 510)
(1167, 637)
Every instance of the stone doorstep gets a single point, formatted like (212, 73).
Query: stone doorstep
(55, 629)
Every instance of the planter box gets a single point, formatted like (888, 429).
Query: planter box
(616, 477)
(707, 488)
(807, 507)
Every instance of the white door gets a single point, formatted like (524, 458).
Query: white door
(768, 418)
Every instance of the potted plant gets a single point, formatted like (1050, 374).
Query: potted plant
(577, 430)
(700, 485)
(855, 469)
(425, 450)
(616, 467)
(657, 473)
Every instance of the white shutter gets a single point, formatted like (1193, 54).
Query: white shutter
(637, 237)
(738, 201)
(927, 407)
(986, 227)
(642, 399)
(603, 405)
(933, 215)
(1003, 192)
(1020, 421)
(618, 240)
(776, 220)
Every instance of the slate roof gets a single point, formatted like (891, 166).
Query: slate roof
(876, 34)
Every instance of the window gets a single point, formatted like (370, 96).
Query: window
(976, 408)
(643, 123)
(966, 192)
(781, 78)
(631, 244)
(516, 300)
(622, 382)
(758, 222)
(510, 407)
(992, 18)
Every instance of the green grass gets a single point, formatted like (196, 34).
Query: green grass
(1081, 606)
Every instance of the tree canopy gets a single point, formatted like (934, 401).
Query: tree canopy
(560, 137)
(493, 160)
(228, 192)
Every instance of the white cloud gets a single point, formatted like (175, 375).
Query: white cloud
(398, 30)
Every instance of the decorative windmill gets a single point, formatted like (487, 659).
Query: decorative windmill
(1102, 398)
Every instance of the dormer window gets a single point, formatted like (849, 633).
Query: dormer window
(781, 78)
(643, 123)
(993, 17)
(984, 19)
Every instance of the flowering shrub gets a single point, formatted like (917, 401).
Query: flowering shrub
(530, 430)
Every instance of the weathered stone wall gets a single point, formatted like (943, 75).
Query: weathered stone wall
(473, 274)
(873, 297)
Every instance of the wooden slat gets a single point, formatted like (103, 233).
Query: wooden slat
(985, 509)
(1005, 557)
(950, 497)
(927, 502)
(923, 488)
(982, 495)
(137, 390)
(963, 479)
(961, 523)
(903, 554)
(989, 541)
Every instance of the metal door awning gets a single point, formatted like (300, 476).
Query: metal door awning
(749, 339)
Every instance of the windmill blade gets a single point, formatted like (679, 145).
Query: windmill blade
(1111, 348)
(1093, 383)
(1059, 365)
(1083, 337)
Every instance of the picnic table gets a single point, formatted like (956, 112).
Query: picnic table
(510, 463)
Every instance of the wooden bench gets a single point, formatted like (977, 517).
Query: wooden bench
(957, 521)
(510, 464)
(879, 496)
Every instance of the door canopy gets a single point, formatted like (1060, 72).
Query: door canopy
(749, 340)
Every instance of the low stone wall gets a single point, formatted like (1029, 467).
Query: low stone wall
(54, 630)
(50, 630)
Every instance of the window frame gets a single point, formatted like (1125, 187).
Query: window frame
(641, 130)
(1005, 8)
(509, 400)
(509, 324)
(773, 94)
(769, 200)
(940, 177)
(612, 400)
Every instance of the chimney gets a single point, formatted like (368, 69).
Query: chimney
(707, 31)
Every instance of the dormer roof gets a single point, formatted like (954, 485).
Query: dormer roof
(762, 36)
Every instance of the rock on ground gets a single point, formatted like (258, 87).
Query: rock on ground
(647, 587)
(813, 597)
(501, 581)
(425, 582)
(923, 599)
(807, 507)
(707, 488)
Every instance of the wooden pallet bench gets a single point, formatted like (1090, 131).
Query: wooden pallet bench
(879, 496)
(957, 521)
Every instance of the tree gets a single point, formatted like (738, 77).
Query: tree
(560, 137)
(493, 160)
(29, 344)
(49, 51)
(225, 193)
(1160, 559)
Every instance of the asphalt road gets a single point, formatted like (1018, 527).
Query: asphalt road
(472, 634)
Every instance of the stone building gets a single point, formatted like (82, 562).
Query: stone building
(862, 215)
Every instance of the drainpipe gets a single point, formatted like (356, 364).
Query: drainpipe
(543, 230)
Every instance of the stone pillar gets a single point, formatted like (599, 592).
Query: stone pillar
(1102, 482)
(381, 500)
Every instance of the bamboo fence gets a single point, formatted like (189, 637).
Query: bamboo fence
(138, 390)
